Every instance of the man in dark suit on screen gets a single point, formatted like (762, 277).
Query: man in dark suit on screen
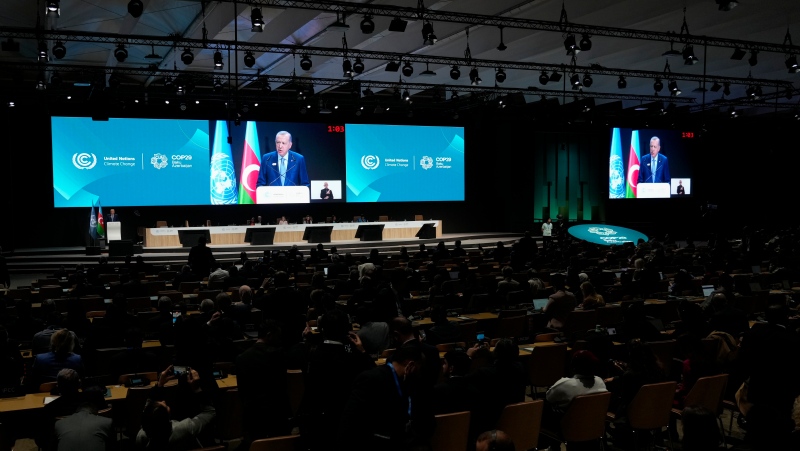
(654, 167)
(283, 167)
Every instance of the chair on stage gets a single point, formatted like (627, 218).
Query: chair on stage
(522, 422)
(285, 443)
(451, 433)
(161, 224)
(418, 218)
(584, 421)
(383, 219)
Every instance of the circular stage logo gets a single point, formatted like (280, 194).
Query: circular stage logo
(84, 160)
(369, 162)
(603, 231)
(159, 161)
(605, 234)
(426, 162)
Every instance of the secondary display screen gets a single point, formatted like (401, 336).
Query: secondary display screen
(649, 164)
(164, 162)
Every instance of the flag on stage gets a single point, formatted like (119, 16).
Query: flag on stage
(223, 175)
(633, 166)
(251, 164)
(101, 225)
(616, 175)
(93, 224)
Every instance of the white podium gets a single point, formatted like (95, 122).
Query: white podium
(113, 231)
(283, 195)
(652, 190)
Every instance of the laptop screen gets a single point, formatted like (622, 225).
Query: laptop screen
(707, 290)
(538, 304)
(453, 275)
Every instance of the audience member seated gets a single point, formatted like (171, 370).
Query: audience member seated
(560, 303)
(285, 304)
(110, 332)
(582, 382)
(160, 327)
(697, 363)
(494, 440)
(46, 366)
(636, 324)
(700, 430)
(441, 252)
(726, 317)
(133, 359)
(240, 311)
(443, 330)
(374, 331)
(591, 300)
(53, 322)
(457, 250)
(507, 285)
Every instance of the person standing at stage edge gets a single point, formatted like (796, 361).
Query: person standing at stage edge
(283, 167)
(201, 260)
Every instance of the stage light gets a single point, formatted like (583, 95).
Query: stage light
(41, 84)
(347, 68)
(53, 6)
(249, 59)
(256, 20)
(398, 24)
(455, 73)
(622, 83)
(217, 85)
(180, 85)
(218, 64)
(168, 83)
(738, 54)
(120, 53)
(187, 56)
(502, 46)
(673, 88)
(59, 51)
(555, 77)
(586, 43)
(135, 8)
(716, 87)
(428, 36)
(406, 95)
(305, 63)
(727, 90)
(750, 91)
(543, 78)
(367, 25)
(500, 76)
(408, 69)
(658, 85)
(42, 51)
(358, 66)
(427, 72)
(474, 78)
(791, 64)
(587, 80)
(753, 60)
(575, 80)
(688, 55)
(727, 5)
(570, 45)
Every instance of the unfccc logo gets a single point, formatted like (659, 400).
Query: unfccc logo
(159, 161)
(603, 231)
(370, 162)
(426, 162)
(84, 160)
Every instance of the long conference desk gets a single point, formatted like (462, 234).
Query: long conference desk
(290, 233)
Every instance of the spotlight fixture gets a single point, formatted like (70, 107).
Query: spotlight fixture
(454, 96)
(791, 64)
(575, 80)
(397, 24)
(120, 53)
(249, 59)
(586, 43)
(622, 83)
(393, 66)
(570, 45)
(751, 92)
(217, 85)
(502, 45)
(135, 8)
(367, 25)
(587, 80)
(500, 75)
(218, 64)
(671, 53)
(406, 95)
(544, 78)
(347, 68)
(738, 54)
(428, 36)
(455, 73)
(305, 63)
(673, 88)
(700, 88)
(427, 72)
(555, 77)
(256, 20)
(733, 113)
(187, 56)
(727, 90)
(658, 85)
(358, 66)
(753, 60)
(41, 84)
(716, 87)
(408, 69)
(42, 51)
(727, 5)
(474, 78)
(168, 83)
(688, 55)
(53, 6)
(59, 51)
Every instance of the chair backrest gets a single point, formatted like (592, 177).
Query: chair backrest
(135, 400)
(383, 218)
(664, 352)
(47, 387)
(522, 422)
(451, 433)
(468, 331)
(296, 381)
(161, 223)
(652, 406)
(585, 418)
(547, 364)
(229, 415)
(285, 443)
(708, 392)
(189, 287)
(579, 321)
(418, 218)
(546, 337)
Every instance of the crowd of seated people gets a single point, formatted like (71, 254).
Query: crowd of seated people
(374, 292)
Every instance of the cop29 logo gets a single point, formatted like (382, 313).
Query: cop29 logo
(602, 231)
(426, 162)
(370, 162)
(159, 161)
(84, 160)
